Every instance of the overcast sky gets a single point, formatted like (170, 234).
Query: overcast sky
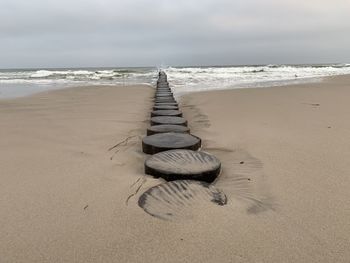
(77, 33)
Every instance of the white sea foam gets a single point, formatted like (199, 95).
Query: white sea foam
(57, 73)
(41, 74)
(80, 72)
(23, 82)
(193, 79)
(182, 80)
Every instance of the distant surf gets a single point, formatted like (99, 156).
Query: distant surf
(191, 79)
(22, 82)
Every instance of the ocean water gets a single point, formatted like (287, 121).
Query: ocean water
(192, 79)
(22, 82)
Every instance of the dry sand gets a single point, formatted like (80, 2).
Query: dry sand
(64, 197)
(295, 145)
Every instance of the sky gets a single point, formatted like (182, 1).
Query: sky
(108, 33)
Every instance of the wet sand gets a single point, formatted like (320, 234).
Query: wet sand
(72, 174)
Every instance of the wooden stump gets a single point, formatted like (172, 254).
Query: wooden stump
(174, 113)
(157, 100)
(159, 120)
(167, 128)
(163, 94)
(156, 104)
(183, 165)
(163, 90)
(169, 141)
(164, 97)
(165, 107)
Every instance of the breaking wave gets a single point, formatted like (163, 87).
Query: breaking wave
(182, 79)
(191, 79)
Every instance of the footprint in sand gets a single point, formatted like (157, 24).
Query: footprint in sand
(176, 199)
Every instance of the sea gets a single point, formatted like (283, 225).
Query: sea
(24, 82)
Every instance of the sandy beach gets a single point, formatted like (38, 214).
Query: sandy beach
(72, 173)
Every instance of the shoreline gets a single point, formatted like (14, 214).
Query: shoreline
(30, 94)
(179, 94)
(277, 86)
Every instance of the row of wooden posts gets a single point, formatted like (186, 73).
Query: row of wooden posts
(176, 154)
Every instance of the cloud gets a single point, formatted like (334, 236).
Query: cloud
(49, 33)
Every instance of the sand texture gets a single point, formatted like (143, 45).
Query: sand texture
(284, 153)
(73, 188)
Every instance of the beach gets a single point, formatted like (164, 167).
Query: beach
(72, 173)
